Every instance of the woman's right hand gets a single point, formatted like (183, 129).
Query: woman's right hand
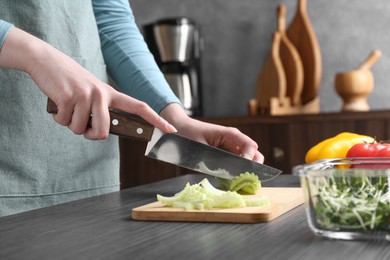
(76, 91)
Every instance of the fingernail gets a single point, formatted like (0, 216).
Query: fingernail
(172, 129)
(247, 156)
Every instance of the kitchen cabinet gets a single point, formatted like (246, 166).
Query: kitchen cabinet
(283, 140)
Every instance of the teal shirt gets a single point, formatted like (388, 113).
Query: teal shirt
(128, 59)
(4, 29)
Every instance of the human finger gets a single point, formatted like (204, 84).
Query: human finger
(137, 107)
(100, 127)
(250, 152)
(64, 113)
(259, 157)
(80, 118)
(241, 144)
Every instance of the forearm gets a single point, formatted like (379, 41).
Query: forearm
(76, 91)
(22, 51)
(127, 56)
(16, 50)
(25, 52)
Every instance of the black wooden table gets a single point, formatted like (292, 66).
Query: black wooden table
(102, 228)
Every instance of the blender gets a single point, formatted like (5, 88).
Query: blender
(176, 45)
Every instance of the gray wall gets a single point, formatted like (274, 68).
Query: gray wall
(237, 35)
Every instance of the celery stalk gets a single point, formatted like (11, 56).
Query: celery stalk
(245, 183)
(205, 196)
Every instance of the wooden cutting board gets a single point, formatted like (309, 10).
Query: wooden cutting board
(271, 81)
(291, 61)
(301, 34)
(282, 200)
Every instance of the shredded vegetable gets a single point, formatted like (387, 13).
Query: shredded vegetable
(203, 195)
(353, 203)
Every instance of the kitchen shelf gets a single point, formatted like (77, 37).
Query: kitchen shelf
(283, 140)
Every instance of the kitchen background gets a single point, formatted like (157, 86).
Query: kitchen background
(237, 38)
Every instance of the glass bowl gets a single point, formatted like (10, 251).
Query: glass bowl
(347, 198)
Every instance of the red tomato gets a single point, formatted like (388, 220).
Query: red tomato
(370, 150)
(367, 149)
(385, 152)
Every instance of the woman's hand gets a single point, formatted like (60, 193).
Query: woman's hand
(227, 138)
(76, 92)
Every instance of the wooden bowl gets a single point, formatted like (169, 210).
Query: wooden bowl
(354, 87)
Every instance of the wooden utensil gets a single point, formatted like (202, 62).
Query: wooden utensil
(301, 34)
(355, 86)
(272, 80)
(370, 61)
(282, 200)
(291, 61)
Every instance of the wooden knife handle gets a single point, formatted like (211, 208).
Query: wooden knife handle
(121, 124)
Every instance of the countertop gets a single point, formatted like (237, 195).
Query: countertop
(102, 228)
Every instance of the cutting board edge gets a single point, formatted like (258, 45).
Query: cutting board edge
(201, 217)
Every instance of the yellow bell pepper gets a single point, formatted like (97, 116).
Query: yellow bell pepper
(336, 147)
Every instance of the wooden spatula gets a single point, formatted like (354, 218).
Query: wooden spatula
(301, 34)
(291, 61)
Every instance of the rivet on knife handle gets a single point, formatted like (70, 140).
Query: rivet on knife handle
(121, 124)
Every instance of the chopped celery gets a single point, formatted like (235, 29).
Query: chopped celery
(205, 196)
(245, 183)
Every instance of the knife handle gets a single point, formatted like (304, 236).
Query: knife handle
(121, 124)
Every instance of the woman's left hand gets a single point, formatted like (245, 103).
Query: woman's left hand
(227, 138)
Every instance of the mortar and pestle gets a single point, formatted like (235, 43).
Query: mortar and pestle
(355, 86)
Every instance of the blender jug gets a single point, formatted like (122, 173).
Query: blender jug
(175, 44)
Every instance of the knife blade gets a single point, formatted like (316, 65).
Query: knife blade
(200, 157)
(181, 151)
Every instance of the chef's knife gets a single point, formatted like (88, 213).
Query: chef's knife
(181, 151)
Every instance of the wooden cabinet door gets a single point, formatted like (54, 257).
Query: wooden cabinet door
(136, 169)
(283, 140)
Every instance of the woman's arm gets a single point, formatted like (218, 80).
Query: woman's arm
(76, 91)
(128, 59)
(133, 68)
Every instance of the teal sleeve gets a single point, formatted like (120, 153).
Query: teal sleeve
(128, 59)
(5, 27)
